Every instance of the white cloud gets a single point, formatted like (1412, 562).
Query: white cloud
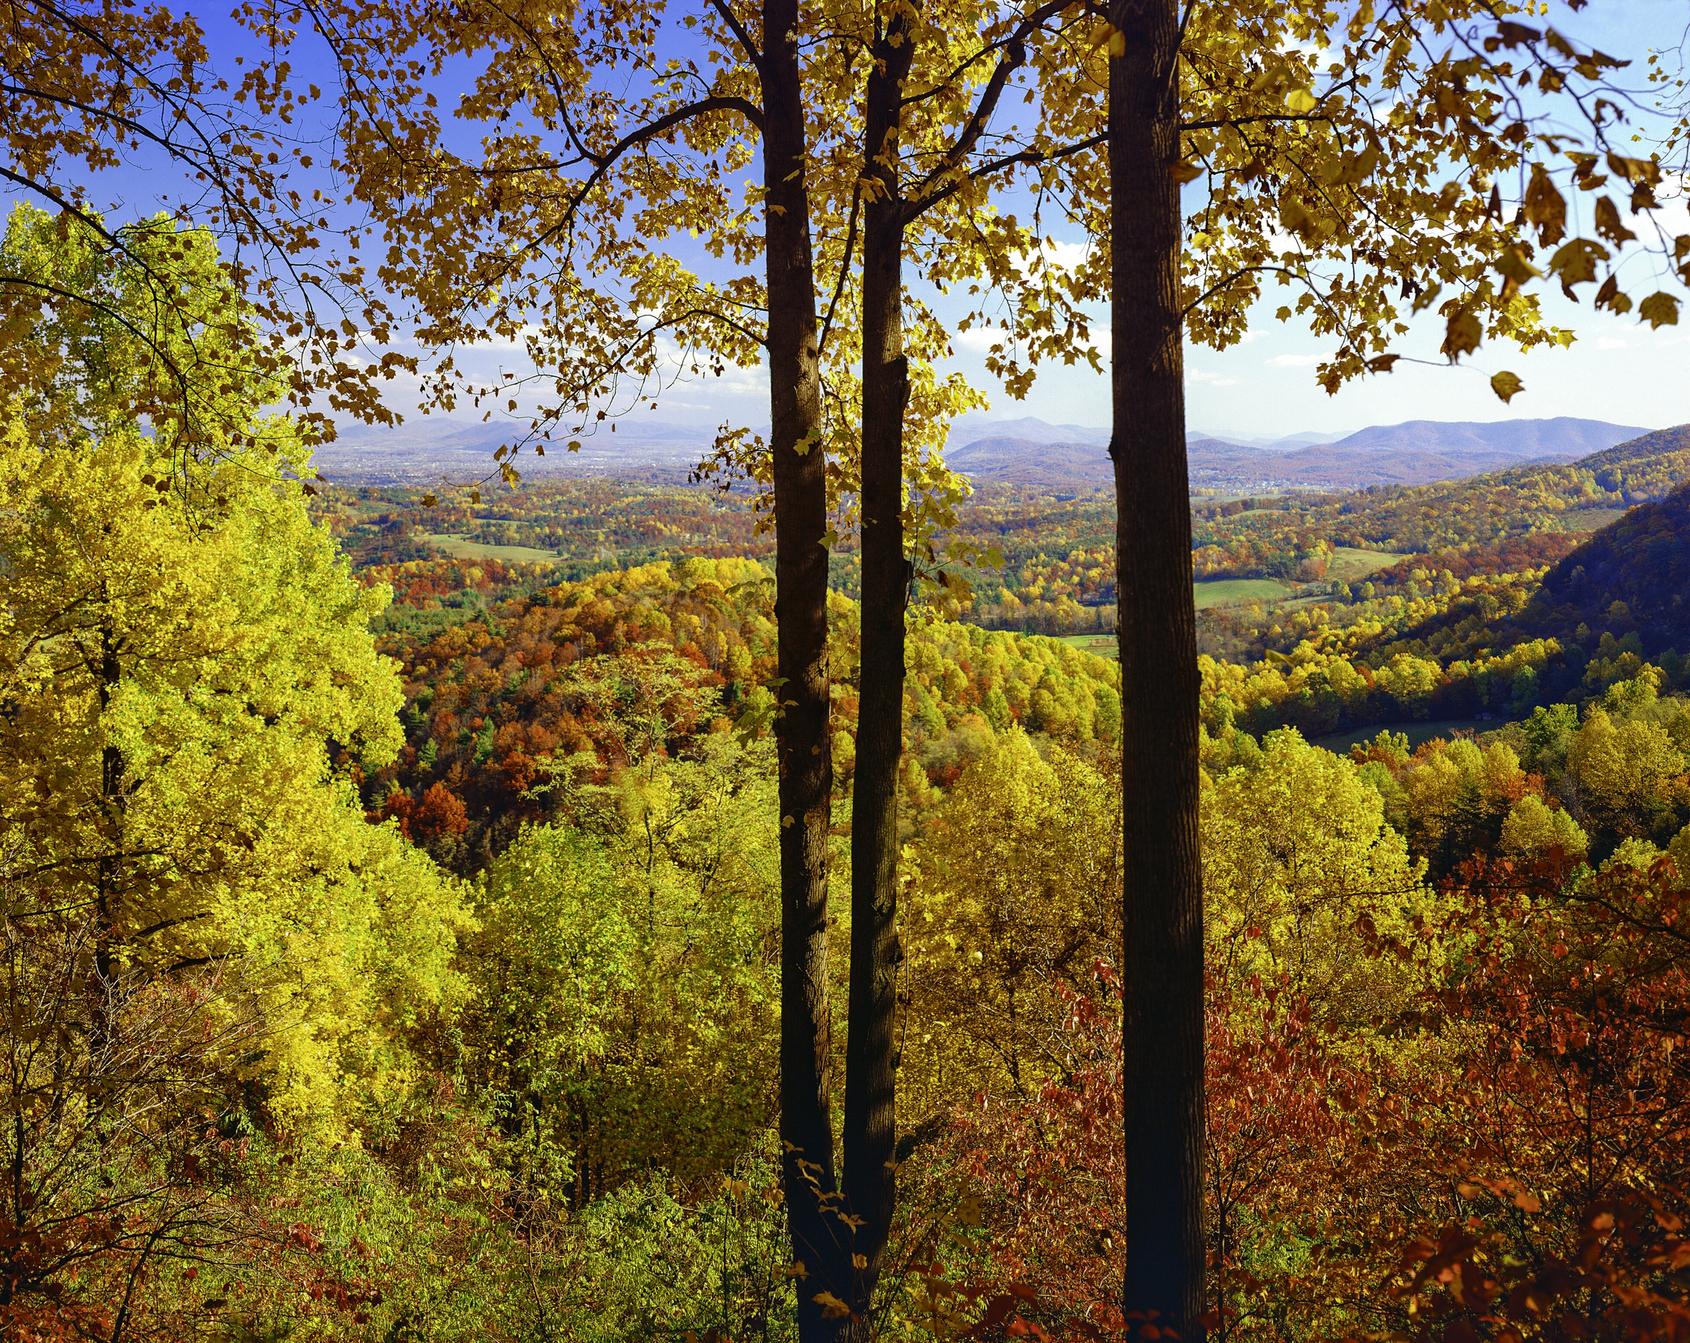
(517, 341)
(1059, 255)
(1294, 360)
(1209, 378)
(1067, 255)
(978, 339)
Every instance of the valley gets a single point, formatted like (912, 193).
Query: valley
(599, 745)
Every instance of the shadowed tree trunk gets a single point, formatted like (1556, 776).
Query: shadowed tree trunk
(871, 1062)
(108, 876)
(1162, 896)
(801, 730)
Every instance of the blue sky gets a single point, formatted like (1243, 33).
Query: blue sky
(1617, 370)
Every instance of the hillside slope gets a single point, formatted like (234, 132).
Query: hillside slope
(1632, 577)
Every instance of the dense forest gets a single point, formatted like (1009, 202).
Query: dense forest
(456, 1018)
(826, 901)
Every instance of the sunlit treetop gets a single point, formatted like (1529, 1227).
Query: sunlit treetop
(102, 100)
(1380, 161)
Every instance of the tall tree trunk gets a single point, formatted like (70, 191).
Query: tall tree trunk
(108, 874)
(871, 1051)
(1162, 895)
(803, 747)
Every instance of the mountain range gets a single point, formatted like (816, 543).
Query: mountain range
(1025, 451)
(1414, 453)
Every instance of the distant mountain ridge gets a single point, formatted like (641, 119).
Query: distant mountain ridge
(1416, 452)
(427, 449)
(1562, 438)
(1025, 451)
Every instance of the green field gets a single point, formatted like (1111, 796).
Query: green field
(1589, 519)
(1236, 591)
(1103, 645)
(1416, 733)
(1349, 563)
(460, 547)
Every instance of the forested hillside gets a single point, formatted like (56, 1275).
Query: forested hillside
(766, 886)
(1630, 579)
(437, 997)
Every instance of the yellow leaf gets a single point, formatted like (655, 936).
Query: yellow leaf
(1544, 205)
(1515, 269)
(1609, 223)
(832, 1307)
(1610, 295)
(1575, 262)
(1463, 335)
(1506, 385)
(1301, 101)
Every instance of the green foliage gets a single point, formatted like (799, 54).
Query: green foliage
(625, 979)
(1009, 902)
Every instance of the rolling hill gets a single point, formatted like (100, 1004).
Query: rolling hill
(1626, 576)
(1632, 577)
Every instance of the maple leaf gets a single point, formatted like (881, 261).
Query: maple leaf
(1659, 309)
(1463, 334)
(1506, 385)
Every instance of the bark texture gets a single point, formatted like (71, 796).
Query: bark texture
(1162, 897)
(870, 1133)
(801, 730)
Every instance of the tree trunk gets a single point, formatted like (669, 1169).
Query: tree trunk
(871, 1052)
(802, 744)
(108, 875)
(1162, 890)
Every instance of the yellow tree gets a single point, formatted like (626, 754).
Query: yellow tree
(179, 648)
(195, 917)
